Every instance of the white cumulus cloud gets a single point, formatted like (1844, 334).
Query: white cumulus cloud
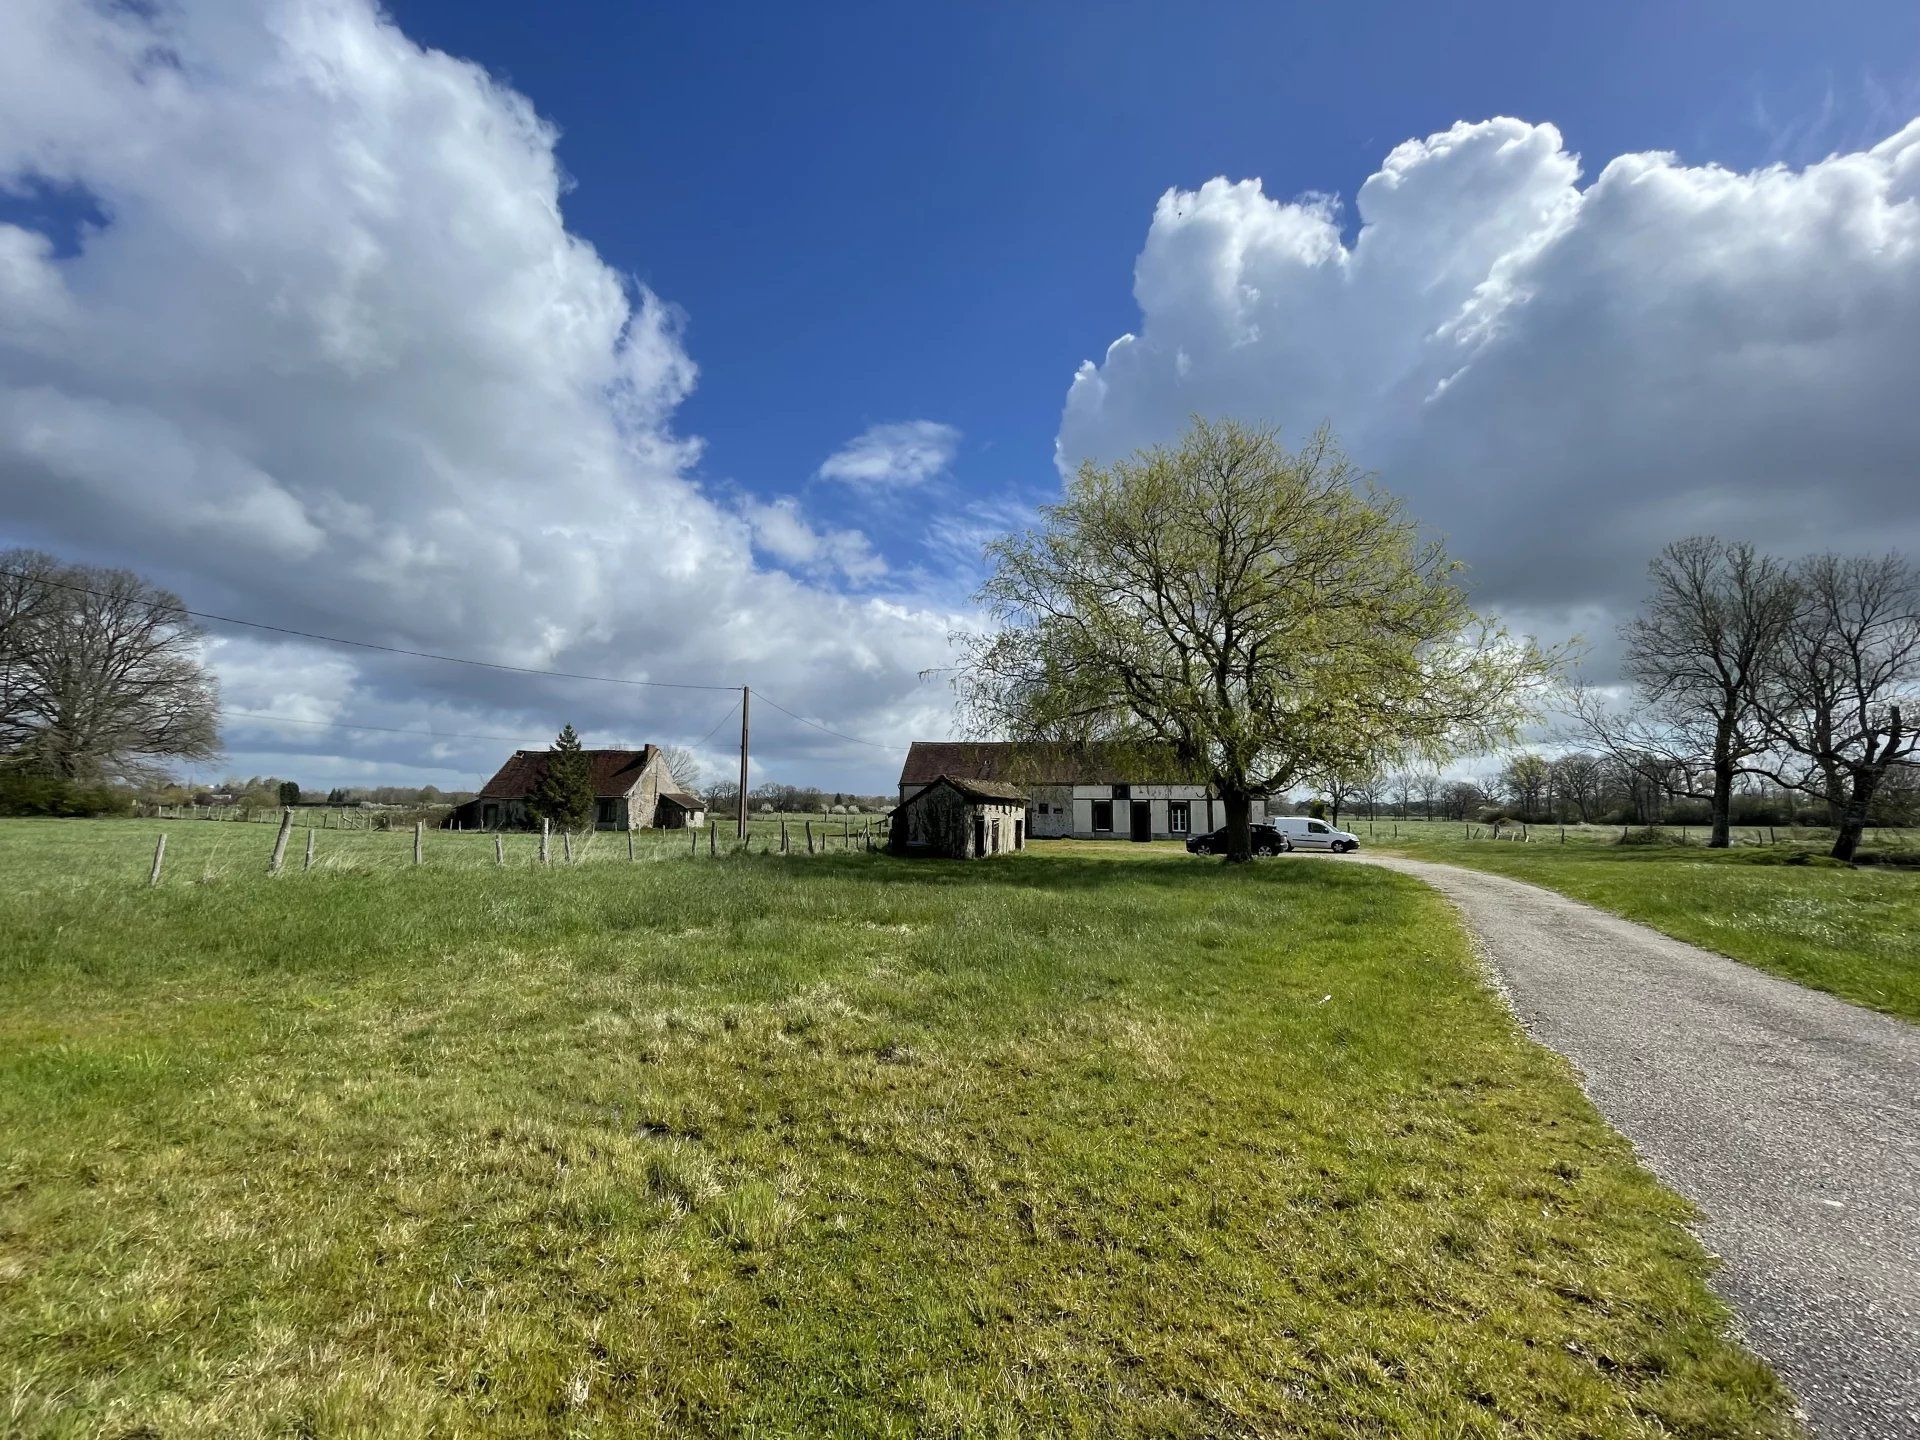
(333, 360)
(782, 531)
(1562, 377)
(903, 453)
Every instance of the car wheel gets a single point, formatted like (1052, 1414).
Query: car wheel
(1340, 847)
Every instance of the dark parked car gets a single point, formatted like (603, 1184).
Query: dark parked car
(1266, 841)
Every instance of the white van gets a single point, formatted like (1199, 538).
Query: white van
(1310, 834)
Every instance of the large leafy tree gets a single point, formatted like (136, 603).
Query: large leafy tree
(565, 793)
(1267, 615)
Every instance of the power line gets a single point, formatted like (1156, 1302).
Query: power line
(364, 644)
(837, 734)
(156, 605)
(732, 710)
(381, 729)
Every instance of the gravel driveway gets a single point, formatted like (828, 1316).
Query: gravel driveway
(1792, 1119)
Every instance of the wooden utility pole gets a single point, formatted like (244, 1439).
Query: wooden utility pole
(745, 695)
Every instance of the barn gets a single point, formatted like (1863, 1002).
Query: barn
(632, 790)
(1091, 791)
(961, 820)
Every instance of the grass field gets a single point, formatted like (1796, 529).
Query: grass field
(1853, 932)
(1047, 1145)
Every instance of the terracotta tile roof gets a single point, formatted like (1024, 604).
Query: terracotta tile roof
(1094, 763)
(614, 772)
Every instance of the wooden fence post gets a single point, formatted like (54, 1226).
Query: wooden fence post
(783, 835)
(499, 850)
(280, 842)
(693, 842)
(809, 837)
(546, 830)
(418, 840)
(566, 845)
(713, 839)
(159, 855)
(307, 864)
(629, 842)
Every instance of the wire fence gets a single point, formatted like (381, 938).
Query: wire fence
(1415, 828)
(317, 838)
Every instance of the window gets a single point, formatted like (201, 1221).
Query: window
(1179, 817)
(1314, 827)
(1103, 815)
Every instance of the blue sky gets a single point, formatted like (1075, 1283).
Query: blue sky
(531, 332)
(872, 213)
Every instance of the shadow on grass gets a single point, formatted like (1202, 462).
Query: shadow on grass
(1038, 870)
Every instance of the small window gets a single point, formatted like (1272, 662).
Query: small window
(1314, 827)
(1103, 815)
(1179, 817)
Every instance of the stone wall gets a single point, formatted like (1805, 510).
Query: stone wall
(943, 822)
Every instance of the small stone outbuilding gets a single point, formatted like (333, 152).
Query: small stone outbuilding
(961, 820)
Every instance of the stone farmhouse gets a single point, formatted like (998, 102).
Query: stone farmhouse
(1088, 792)
(961, 820)
(632, 790)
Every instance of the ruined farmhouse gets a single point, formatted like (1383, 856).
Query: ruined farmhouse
(961, 820)
(632, 790)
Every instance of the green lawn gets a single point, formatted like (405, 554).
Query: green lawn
(1854, 932)
(1046, 1145)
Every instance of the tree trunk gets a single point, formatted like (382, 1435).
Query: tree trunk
(1722, 835)
(1239, 806)
(1852, 821)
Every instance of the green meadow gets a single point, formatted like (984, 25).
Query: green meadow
(1089, 1141)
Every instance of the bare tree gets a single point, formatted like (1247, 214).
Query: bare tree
(103, 676)
(1401, 787)
(1710, 630)
(1579, 780)
(1427, 785)
(684, 768)
(1843, 690)
(1340, 789)
(1524, 780)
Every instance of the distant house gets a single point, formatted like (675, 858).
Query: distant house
(1092, 791)
(961, 820)
(632, 790)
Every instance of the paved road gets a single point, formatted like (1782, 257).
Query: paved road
(1791, 1118)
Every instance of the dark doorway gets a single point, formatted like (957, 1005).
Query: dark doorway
(979, 835)
(1142, 820)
